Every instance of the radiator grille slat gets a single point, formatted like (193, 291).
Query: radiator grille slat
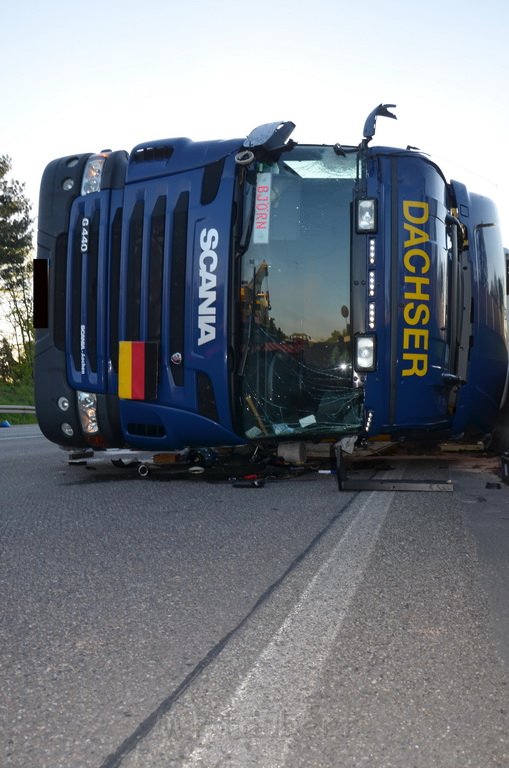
(156, 265)
(178, 285)
(75, 296)
(92, 291)
(134, 265)
(114, 293)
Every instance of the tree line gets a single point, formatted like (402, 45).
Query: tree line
(16, 326)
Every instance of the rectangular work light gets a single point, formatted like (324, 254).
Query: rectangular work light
(366, 215)
(365, 352)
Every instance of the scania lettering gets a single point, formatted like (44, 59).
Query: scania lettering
(207, 293)
(259, 290)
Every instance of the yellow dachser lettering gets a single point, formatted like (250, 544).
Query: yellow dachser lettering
(416, 310)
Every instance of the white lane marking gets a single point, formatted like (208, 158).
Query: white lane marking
(264, 713)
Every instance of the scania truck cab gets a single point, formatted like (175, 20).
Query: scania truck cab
(258, 289)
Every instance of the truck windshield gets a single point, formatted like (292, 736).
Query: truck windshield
(296, 367)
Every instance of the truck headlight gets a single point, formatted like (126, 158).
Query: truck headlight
(87, 409)
(365, 353)
(92, 174)
(366, 215)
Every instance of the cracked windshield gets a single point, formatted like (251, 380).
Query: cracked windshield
(295, 297)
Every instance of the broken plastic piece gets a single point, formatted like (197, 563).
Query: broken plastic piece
(248, 484)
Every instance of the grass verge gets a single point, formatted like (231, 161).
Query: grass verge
(17, 394)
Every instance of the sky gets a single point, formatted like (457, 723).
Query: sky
(80, 77)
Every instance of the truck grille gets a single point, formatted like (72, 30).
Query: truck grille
(145, 252)
(115, 284)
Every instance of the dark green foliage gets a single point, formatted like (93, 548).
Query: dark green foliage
(15, 277)
(15, 225)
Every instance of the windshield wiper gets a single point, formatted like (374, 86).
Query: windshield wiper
(247, 222)
(247, 345)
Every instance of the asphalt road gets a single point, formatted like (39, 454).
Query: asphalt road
(161, 623)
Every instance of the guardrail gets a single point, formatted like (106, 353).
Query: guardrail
(17, 408)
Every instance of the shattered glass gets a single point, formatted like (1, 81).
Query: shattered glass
(297, 373)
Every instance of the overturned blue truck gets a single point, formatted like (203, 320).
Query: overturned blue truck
(261, 290)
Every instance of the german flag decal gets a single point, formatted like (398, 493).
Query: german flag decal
(137, 370)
